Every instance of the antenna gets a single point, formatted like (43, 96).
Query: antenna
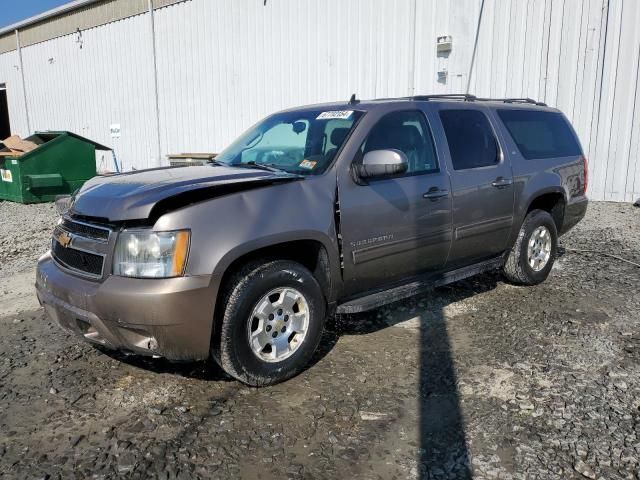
(353, 100)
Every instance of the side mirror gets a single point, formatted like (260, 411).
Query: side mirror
(379, 163)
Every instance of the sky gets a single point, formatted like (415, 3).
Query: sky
(13, 11)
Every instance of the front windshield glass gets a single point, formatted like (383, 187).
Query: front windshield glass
(302, 142)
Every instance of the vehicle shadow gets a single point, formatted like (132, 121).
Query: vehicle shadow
(207, 370)
(443, 451)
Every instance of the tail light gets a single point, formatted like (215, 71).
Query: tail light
(586, 173)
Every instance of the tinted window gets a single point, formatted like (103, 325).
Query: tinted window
(409, 133)
(540, 134)
(470, 138)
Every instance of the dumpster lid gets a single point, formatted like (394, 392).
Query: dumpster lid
(56, 133)
(15, 146)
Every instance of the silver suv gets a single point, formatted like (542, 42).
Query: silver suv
(340, 207)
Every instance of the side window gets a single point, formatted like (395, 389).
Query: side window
(540, 134)
(471, 140)
(408, 132)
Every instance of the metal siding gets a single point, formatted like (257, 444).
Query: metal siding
(568, 55)
(606, 100)
(517, 53)
(78, 18)
(166, 3)
(224, 64)
(622, 115)
(7, 42)
(586, 86)
(10, 75)
(86, 89)
(293, 52)
(82, 18)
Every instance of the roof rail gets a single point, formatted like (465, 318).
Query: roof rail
(453, 96)
(472, 98)
(516, 100)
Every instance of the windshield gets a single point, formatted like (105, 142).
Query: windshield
(296, 142)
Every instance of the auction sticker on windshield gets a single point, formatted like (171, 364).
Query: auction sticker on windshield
(308, 164)
(335, 114)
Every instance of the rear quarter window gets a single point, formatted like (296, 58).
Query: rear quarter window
(540, 134)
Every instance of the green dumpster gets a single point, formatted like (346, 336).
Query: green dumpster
(58, 164)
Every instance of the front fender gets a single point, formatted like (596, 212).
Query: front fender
(248, 247)
(226, 228)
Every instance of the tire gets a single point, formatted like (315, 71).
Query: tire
(518, 269)
(246, 291)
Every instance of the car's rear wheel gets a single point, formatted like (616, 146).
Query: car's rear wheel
(534, 251)
(272, 323)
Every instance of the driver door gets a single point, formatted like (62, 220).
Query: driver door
(397, 226)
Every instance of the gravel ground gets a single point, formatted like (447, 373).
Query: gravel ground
(26, 233)
(478, 379)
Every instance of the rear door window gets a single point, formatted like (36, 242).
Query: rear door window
(540, 134)
(472, 143)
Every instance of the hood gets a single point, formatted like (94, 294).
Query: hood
(138, 195)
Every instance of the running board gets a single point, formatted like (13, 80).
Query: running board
(380, 298)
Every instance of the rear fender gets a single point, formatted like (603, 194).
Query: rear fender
(529, 190)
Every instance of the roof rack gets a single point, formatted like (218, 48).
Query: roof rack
(515, 100)
(472, 98)
(453, 96)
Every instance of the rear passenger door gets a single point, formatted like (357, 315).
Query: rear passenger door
(481, 182)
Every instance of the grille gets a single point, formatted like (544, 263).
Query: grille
(77, 260)
(85, 230)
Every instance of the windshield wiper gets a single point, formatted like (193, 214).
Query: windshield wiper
(260, 166)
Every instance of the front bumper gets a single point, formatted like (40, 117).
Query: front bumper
(172, 318)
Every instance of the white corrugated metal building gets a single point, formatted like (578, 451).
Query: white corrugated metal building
(190, 75)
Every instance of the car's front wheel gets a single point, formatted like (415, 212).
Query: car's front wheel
(273, 320)
(533, 254)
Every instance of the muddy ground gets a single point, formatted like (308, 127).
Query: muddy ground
(478, 379)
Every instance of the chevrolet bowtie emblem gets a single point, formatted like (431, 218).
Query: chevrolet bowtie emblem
(63, 238)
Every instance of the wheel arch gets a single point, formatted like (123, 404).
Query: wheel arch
(551, 200)
(316, 255)
(309, 252)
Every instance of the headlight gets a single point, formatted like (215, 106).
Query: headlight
(147, 254)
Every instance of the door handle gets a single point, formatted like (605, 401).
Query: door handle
(502, 182)
(434, 193)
